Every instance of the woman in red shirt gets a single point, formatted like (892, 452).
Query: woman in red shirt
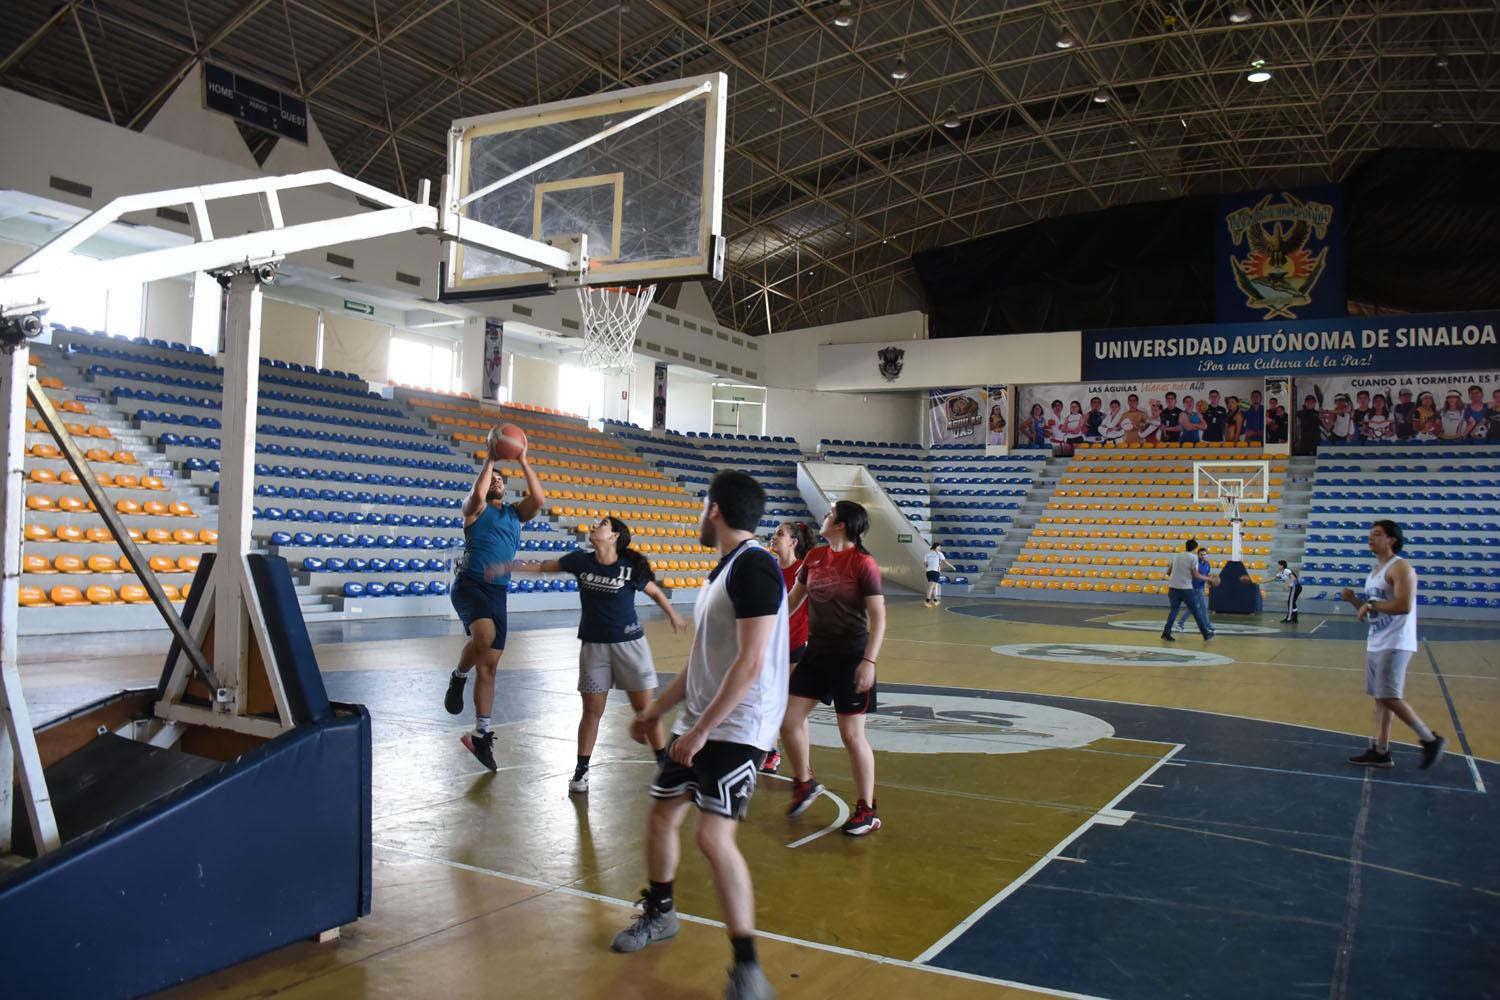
(840, 585)
(790, 545)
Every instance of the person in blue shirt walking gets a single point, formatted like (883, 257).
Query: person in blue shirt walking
(614, 651)
(492, 532)
(1201, 582)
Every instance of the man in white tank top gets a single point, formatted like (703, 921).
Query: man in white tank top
(733, 694)
(1389, 606)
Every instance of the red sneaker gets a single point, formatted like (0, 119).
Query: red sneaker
(771, 763)
(803, 793)
(863, 821)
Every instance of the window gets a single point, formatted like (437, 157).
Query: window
(427, 364)
(115, 311)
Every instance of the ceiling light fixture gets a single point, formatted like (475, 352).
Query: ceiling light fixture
(1258, 72)
(1101, 96)
(1240, 15)
(845, 15)
(900, 70)
(1441, 62)
(1065, 39)
(950, 119)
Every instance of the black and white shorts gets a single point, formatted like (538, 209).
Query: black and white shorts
(721, 778)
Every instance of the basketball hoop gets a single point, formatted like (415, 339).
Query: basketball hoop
(611, 317)
(1229, 502)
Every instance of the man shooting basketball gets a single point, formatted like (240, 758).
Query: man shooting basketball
(492, 531)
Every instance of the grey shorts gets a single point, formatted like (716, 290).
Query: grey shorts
(1385, 672)
(624, 665)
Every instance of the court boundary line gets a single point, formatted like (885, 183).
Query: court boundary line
(1018, 695)
(1344, 957)
(1458, 727)
(596, 897)
(1099, 817)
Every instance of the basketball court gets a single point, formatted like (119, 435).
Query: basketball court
(659, 256)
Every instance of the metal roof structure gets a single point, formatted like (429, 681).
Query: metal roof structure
(860, 131)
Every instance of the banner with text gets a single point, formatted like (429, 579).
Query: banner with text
(1407, 409)
(1445, 342)
(1280, 255)
(494, 361)
(1061, 416)
(997, 420)
(956, 416)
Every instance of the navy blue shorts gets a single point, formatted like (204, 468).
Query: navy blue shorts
(474, 599)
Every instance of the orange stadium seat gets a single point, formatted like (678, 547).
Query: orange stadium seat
(34, 597)
(134, 593)
(100, 594)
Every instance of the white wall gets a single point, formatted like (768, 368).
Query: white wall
(290, 333)
(689, 404)
(534, 382)
(955, 362)
(810, 416)
(168, 309)
(358, 346)
(789, 355)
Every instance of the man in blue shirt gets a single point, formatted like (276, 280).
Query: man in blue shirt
(492, 532)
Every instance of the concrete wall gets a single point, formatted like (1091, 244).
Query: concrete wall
(954, 362)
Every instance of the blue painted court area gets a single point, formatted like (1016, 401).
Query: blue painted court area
(1261, 866)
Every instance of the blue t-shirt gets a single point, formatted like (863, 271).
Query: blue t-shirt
(1205, 569)
(608, 597)
(491, 541)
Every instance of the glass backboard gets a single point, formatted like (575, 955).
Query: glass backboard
(648, 193)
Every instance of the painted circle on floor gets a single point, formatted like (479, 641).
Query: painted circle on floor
(1111, 654)
(1225, 628)
(940, 723)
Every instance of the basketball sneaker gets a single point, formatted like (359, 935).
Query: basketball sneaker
(580, 781)
(453, 701)
(1373, 758)
(747, 981)
(803, 793)
(482, 746)
(863, 821)
(1432, 751)
(651, 926)
(771, 763)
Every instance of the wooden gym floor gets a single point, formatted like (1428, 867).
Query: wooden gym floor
(1072, 806)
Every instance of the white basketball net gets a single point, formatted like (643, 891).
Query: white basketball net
(611, 316)
(1229, 501)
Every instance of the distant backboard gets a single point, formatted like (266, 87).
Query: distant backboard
(648, 195)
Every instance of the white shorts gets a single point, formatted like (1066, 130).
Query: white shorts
(1385, 672)
(624, 665)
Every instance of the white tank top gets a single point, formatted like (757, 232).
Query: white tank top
(1390, 631)
(756, 720)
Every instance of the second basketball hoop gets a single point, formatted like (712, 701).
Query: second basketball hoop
(611, 317)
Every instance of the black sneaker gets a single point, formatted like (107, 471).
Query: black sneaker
(803, 793)
(1372, 758)
(482, 746)
(1169, 637)
(453, 701)
(1432, 751)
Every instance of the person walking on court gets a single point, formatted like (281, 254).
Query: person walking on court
(841, 585)
(1200, 587)
(935, 562)
(1288, 576)
(733, 694)
(614, 650)
(790, 546)
(492, 531)
(1389, 606)
(1181, 574)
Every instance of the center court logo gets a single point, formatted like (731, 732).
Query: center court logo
(1110, 654)
(1226, 628)
(940, 723)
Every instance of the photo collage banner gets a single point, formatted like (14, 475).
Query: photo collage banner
(1446, 409)
(1058, 417)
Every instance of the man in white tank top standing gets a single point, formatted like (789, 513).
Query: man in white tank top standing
(733, 695)
(1389, 606)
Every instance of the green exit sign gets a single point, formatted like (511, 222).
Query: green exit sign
(904, 539)
(363, 308)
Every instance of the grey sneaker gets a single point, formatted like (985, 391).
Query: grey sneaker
(748, 982)
(651, 926)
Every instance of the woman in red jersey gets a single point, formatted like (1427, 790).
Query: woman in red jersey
(841, 586)
(790, 545)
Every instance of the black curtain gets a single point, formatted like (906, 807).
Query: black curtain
(1422, 234)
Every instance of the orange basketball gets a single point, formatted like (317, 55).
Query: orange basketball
(505, 442)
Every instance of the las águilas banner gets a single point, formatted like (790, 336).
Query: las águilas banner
(1448, 342)
(1061, 416)
(956, 416)
(1445, 409)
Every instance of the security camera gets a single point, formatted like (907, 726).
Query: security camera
(16, 330)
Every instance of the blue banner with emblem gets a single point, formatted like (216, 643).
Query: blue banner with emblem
(1279, 255)
(1441, 342)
